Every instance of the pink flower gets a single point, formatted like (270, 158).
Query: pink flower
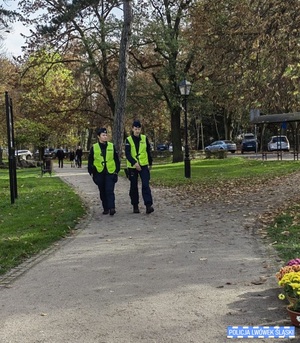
(293, 262)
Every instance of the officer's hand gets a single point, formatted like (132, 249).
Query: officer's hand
(115, 178)
(150, 167)
(138, 167)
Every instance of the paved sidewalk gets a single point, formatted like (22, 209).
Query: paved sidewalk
(182, 274)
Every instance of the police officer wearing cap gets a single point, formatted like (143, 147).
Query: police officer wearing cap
(104, 166)
(139, 161)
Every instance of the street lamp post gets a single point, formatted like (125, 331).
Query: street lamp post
(185, 88)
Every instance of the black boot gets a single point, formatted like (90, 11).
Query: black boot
(149, 209)
(112, 211)
(136, 209)
(105, 212)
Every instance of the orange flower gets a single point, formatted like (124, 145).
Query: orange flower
(287, 269)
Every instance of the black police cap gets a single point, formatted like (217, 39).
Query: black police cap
(102, 130)
(136, 123)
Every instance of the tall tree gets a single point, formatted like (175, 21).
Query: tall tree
(49, 97)
(9, 78)
(119, 118)
(91, 31)
(162, 48)
(250, 53)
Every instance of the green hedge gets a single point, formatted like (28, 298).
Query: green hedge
(221, 154)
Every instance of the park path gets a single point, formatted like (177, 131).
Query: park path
(181, 274)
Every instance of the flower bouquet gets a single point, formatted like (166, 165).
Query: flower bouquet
(287, 269)
(291, 289)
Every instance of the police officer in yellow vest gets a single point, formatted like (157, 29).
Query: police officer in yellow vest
(139, 161)
(104, 166)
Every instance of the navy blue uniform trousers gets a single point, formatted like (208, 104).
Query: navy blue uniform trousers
(146, 191)
(106, 185)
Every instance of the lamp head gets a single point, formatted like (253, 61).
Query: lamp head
(185, 87)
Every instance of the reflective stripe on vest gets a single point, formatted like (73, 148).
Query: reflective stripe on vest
(99, 160)
(142, 157)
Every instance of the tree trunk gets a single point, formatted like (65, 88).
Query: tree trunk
(216, 125)
(176, 138)
(227, 124)
(119, 117)
(89, 139)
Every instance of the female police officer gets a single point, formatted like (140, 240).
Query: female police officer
(139, 160)
(104, 165)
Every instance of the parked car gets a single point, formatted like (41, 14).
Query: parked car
(54, 152)
(279, 143)
(249, 143)
(249, 136)
(24, 154)
(162, 147)
(47, 152)
(222, 145)
(171, 148)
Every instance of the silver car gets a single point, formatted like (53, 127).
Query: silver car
(222, 145)
(24, 154)
(279, 143)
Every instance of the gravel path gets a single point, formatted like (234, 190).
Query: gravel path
(181, 274)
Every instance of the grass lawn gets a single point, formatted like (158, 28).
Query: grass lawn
(47, 209)
(212, 171)
(208, 175)
(285, 233)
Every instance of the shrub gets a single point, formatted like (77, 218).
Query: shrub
(220, 154)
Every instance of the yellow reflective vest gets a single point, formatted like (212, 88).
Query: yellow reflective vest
(109, 161)
(142, 156)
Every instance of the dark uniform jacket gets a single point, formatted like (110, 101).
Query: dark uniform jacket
(92, 169)
(136, 141)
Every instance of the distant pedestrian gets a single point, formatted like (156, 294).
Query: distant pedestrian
(60, 154)
(78, 157)
(104, 166)
(72, 158)
(139, 162)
